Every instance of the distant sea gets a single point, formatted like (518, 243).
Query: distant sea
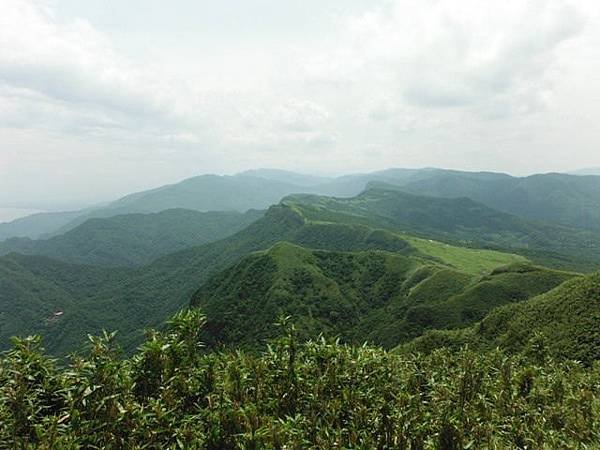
(9, 214)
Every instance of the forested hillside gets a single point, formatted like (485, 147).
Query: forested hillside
(136, 299)
(134, 239)
(564, 322)
(380, 297)
(556, 198)
(461, 221)
(387, 268)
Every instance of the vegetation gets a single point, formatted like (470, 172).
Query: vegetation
(564, 322)
(376, 296)
(134, 239)
(313, 395)
(476, 347)
(36, 225)
(131, 300)
(462, 222)
(556, 198)
(201, 193)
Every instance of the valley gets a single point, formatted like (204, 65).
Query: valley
(400, 272)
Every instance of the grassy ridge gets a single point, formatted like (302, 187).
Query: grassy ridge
(459, 221)
(385, 298)
(564, 322)
(131, 300)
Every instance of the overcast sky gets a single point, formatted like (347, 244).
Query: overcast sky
(103, 97)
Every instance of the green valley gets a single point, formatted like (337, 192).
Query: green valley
(134, 239)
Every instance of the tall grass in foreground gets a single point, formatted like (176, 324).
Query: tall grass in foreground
(320, 394)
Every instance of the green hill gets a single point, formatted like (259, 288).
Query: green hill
(134, 239)
(556, 198)
(382, 297)
(564, 322)
(143, 297)
(461, 221)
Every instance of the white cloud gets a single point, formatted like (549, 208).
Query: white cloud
(446, 53)
(72, 62)
(398, 82)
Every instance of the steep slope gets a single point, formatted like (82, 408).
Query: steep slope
(381, 297)
(564, 322)
(439, 302)
(557, 198)
(325, 292)
(140, 298)
(134, 239)
(33, 289)
(459, 220)
(131, 300)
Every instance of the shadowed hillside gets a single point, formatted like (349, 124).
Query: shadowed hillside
(134, 239)
(564, 322)
(381, 297)
(136, 299)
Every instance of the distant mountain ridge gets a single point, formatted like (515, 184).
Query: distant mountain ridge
(556, 198)
(461, 220)
(134, 239)
(130, 300)
(590, 171)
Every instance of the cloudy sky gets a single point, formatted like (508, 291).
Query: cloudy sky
(102, 97)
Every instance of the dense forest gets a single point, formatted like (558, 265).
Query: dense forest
(317, 394)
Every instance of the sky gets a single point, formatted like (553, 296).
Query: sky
(99, 98)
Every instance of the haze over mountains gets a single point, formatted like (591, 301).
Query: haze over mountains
(126, 267)
(431, 282)
(562, 199)
(407, 261)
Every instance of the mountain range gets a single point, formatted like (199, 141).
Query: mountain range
(556, 198)
(390, 257)
(134, 239)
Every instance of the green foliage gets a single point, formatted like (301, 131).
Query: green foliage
(34, 288)
(565, 321)
(381, 297)
(558, 198)
(318, 394)
(128, 300)
(134, 239)
(459, 221)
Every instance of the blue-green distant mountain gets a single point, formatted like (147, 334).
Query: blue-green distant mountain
(203, 193)
(590, 171)
(427, 231)
(134, 239)
(557, 198)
